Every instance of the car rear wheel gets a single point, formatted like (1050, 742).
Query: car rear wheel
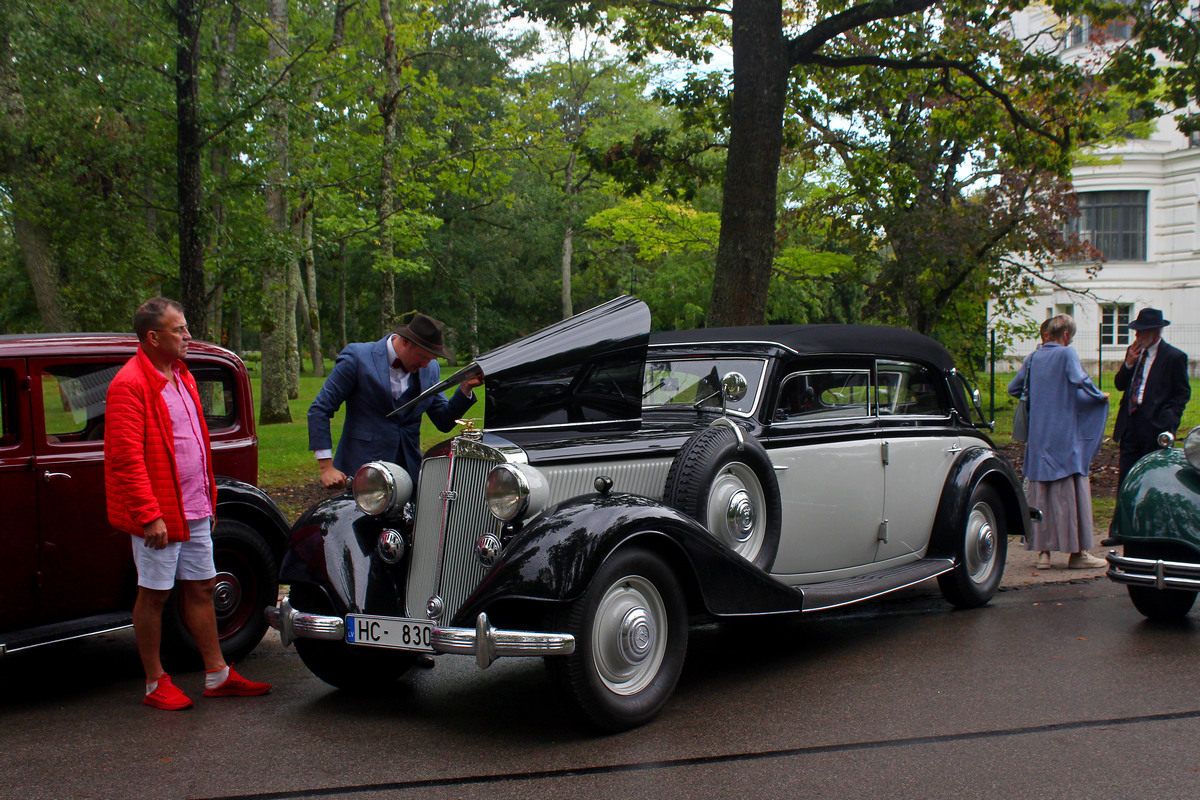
(980, 550)
(247, 582)
(630, 629)
(1162, 605)
(730, 489)
(352, 668)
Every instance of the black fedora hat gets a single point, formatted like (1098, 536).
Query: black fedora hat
(426, 333)
(1148, 319)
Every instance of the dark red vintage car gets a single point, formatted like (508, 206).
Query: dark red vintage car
(64, 571)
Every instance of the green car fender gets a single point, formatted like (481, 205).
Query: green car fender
(1160, 501)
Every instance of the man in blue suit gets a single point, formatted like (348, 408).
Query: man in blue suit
(373, 379)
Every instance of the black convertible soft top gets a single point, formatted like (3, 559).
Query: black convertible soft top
(820, 340)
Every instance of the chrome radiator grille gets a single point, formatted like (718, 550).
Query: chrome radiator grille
(451, 516)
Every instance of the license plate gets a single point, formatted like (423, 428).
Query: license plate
(402, 634)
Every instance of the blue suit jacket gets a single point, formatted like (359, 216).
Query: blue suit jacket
(360, 380)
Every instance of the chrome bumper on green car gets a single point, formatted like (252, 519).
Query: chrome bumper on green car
(1154, 573)
(483, 641)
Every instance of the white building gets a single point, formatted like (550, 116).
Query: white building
(1139, 204)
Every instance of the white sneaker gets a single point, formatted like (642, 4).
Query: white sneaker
(1085, 561)
(1043, 561)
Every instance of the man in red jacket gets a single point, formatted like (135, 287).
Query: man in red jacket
(158, 477)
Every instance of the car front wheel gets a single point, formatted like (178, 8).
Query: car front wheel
(630, 629)
(1162, 605)
(981, 547)
(352, 668)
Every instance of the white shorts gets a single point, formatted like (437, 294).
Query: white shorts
(186, 561)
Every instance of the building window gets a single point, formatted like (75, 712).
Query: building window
(1114, 323)
(1114, 223)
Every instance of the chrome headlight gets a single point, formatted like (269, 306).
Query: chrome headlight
(515, 490)
(380, 487)
(1191, 447)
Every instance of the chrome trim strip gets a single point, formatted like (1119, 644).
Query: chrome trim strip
(1153, 573)
(4, 648)
(485, 642)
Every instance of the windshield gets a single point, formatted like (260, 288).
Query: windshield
(696, 382)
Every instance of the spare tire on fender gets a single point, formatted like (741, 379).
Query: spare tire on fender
(729, 487)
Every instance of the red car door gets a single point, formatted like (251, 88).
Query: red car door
(86, 565)
(19, 533)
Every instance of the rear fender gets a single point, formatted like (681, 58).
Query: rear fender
(976, 465)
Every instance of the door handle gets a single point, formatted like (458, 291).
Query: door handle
(955, 448)
(48, 476)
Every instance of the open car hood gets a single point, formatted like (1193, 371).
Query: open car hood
(585, 369)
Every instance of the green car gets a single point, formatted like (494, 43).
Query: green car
(1158, 523)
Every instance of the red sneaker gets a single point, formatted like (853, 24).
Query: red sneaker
(237, 686)
(167, 696)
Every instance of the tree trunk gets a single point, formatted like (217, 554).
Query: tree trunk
(746, 248)
(341, 307)
(568, 240)
(274, 406)
(387, 188)
(310, 283)
(189, 180)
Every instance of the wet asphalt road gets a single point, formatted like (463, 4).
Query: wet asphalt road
(1057, 690)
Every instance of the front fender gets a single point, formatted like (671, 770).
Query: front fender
(332, 545)
(974, 465)
(1160, 501)
(249, 504)
(554, 558)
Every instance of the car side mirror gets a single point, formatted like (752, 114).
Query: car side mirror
(1166, 440)
(734, 386)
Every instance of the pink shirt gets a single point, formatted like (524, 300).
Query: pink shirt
(189, 451)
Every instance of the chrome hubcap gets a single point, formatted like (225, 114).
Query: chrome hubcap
(228, 593)
(740, 516)
(980, 545)
(629, 636)
(736, 502)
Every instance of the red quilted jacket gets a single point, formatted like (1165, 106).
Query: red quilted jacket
(140, 479)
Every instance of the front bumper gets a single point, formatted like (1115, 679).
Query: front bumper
(1154, 573)
(483, 641)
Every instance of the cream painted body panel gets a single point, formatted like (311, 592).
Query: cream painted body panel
(913, 480)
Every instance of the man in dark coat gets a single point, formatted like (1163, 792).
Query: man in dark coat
(1154, 383)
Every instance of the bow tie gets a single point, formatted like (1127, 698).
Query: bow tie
(397, 364)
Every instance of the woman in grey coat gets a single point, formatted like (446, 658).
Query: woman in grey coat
(1067, 414)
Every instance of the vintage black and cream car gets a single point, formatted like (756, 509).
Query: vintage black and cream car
(625, 483)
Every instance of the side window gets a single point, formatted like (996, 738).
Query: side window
(908, 390)
(824, 394)
(218, 395)
(73, 400)
(8, 408)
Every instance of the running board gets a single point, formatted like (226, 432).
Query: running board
(15, 641)
(831, 594)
